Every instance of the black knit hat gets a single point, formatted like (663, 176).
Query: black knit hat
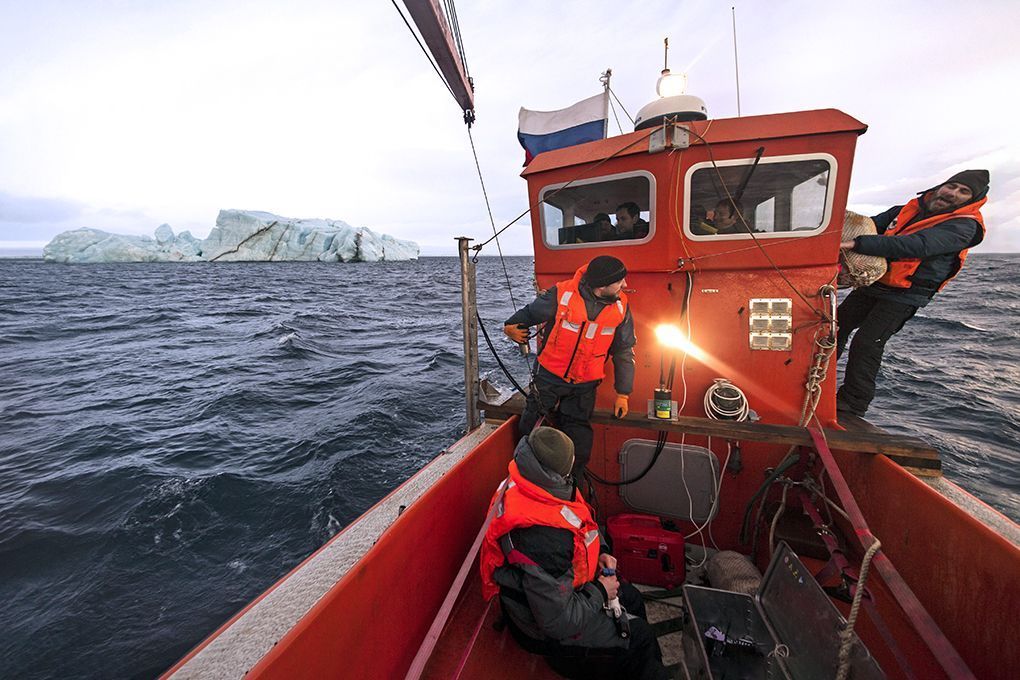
(553, 449)
(975, 180)
(604, 270)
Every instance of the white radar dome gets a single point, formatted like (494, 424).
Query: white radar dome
(672, 103)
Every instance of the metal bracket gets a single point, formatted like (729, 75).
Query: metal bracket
(670, 136)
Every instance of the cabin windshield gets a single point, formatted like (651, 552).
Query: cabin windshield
(785, 196)
(613, 208)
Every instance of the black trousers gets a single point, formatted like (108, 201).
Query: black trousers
(569, 406)
(640, 660)
(875, 320)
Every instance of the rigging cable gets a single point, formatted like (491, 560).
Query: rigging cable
(613, 107)
(580, 175)
(451, 12)
(629, 117)
(425, 51)
(492, 221)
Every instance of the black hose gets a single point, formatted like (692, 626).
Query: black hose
(488, 341)
(655, 457)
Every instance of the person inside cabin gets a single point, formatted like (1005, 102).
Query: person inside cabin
(604, 227)
(726, 218)
(925, 242)
(543, 556)
(700, 224)
(592, 322)
(629, 224)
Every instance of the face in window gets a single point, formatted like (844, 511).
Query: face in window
(624, 221)
(725, 217)
(603, 227)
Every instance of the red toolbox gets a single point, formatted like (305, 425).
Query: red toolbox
(646, 551)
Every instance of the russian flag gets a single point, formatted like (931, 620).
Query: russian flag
(585, 121)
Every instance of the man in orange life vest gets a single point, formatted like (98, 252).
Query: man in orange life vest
(587, 320)
(926, 243)
(543, 556)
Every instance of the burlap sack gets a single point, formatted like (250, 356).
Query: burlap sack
(858, 270)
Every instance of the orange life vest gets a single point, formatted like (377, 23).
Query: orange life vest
(577, 349)
(899, 273)
(519, 503)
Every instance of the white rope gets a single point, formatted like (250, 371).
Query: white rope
(715, 411)
(846, 636)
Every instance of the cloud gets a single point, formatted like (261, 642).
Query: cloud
(168, 112)
(33, 209)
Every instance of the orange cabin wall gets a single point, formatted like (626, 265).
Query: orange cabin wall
(722, 284)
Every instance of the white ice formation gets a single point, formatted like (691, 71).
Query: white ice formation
(239, 236)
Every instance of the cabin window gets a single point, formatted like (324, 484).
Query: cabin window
(784, 196)
(589, 212)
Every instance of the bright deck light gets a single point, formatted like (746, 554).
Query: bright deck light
(671, 336)
(671, 84)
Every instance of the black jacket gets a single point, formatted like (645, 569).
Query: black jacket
(540, 598)
(543, 309)
(937, 247)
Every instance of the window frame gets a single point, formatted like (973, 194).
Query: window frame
(598, 180)
(830, 191)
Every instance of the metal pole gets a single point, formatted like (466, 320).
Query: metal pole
(736, 67)
(470, 322)
(604, 79)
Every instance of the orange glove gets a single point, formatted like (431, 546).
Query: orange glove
(517, 333)
(620, 408)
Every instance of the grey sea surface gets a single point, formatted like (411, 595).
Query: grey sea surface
(176, 437)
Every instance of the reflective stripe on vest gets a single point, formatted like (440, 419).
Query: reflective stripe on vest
(525, 504)
(900, 273)
(577, 349)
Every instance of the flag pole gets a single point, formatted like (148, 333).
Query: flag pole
(604, 79)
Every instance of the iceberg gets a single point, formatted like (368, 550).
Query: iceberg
(239, 236)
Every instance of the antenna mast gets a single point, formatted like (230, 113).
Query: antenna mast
(736, 65)
(665, 56)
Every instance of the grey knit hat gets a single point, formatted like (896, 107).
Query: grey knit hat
(553, 449)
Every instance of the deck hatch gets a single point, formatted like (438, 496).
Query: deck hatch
(663, 492)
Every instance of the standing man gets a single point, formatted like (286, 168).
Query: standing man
(926, 243)
(587, 320)
(629, 224)
(542, 554)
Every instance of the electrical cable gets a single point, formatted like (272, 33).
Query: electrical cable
(499, 361)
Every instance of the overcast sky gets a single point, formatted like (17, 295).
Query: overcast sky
(124, 115)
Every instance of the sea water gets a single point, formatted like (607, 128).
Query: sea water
(176, 437)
